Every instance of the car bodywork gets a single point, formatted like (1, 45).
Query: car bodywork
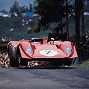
(58, 52)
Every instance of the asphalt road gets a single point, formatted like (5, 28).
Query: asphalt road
(48, 78)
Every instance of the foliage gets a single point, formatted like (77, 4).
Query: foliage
(23, 9)
(83, 64)
(87, 6)
(18, 9)
(15, 8)
(50, 10)
(30, 7)
(20, 32)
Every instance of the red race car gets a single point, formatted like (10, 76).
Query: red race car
(57, 52)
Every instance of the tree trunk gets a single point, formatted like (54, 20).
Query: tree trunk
(61, 27)
(67, 28)
(77, 20)
(83, 24)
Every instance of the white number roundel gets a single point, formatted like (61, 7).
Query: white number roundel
(48, 52)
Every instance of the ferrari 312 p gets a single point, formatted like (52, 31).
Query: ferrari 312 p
(57, 52)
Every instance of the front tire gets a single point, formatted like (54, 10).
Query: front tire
(14, 62)
(22, 62)
(63, 62)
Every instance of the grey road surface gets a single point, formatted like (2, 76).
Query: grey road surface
(49, 78)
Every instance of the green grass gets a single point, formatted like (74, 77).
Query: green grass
(83, 64)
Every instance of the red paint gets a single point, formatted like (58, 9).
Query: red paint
(37, 47)
(24, 51)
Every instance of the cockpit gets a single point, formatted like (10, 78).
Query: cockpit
(36, 40)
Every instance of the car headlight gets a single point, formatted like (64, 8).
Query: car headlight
(29, 51)
(68, 50)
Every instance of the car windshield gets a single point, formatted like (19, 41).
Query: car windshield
(37, 40)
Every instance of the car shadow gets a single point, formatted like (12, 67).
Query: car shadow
(46, 67)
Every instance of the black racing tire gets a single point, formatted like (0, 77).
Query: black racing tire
(14, 62)
(9, 54)
(57, 63)
(24, 62)
(68, 62)
(63, 62)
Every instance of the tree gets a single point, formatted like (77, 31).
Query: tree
(77, 20)
(18, 9)
(30, 7)
(4, 11)
(15, 8)
(50, 11)
(82, 14)
(79, 10)
(86, 9)
(23, 9)
(55, 10)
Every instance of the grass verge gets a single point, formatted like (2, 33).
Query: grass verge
(83, 64)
